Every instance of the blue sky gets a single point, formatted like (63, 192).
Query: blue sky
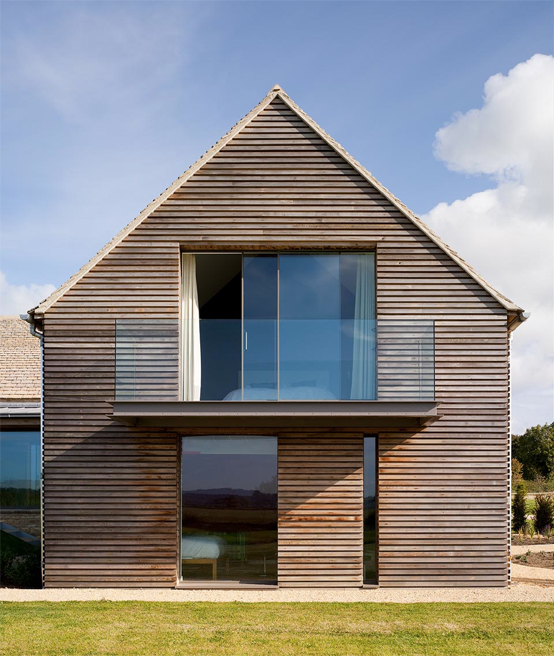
(381, 77)
(105, 103)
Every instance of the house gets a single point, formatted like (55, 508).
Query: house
(276, 375)
(19, 426)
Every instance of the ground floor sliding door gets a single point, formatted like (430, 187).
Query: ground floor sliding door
(327, 510)
(319, 489)
(229, 509)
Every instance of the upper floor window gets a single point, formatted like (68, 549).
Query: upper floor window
(278, 326)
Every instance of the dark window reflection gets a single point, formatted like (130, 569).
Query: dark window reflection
(370, 509)
(229, 508)
(20, 469)
(219, 279)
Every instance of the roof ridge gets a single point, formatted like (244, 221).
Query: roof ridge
(275, 92)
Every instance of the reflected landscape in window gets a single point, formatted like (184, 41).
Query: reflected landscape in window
(229, 508)
(20, 469)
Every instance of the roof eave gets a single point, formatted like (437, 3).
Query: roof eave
(515, 319)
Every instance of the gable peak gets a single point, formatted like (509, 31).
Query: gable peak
(278, 92)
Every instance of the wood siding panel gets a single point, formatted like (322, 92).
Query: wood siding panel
(320, 510)
(277, 185)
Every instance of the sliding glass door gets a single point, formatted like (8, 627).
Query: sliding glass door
(309, 326)
(260, 289)
(229, 508)
(280, 326)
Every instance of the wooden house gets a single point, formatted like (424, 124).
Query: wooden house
(276, 375)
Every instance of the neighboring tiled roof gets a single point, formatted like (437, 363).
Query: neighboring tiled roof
(276, 92)
(19, 361)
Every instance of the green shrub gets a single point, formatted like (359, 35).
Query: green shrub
(518, 508)
(544, 513)
(540, 484)
(535, 451)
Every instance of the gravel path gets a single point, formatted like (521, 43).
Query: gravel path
(516, 592)
(518, 549)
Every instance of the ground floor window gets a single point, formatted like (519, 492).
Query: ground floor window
(370, 527)
(229, 508)
(20, 480)
(20, 469)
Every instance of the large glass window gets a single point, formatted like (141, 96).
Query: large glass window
(370, 510)
(20, 469)
(310, 327)
(260, 326)
(288, 326)
(219, 281)
(20, 480)
(229, 508)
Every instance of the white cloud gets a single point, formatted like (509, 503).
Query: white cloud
(17, 299)
(506, 232)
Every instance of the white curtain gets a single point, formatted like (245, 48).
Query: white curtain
(363, 368)
(191, 331)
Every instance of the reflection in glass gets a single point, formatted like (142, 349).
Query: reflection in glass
(370, 508)
(288, 326)
(229, 508)
(309, 333)
(327, 326)
(20, 469)
(260, 327)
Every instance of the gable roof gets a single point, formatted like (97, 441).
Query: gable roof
(277, 92)
(19, 361)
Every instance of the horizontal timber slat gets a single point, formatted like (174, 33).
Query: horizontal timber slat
(305, 499)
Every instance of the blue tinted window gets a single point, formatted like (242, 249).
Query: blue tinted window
(20, 469)
(309, 326)
(260, 327)
(289, 326)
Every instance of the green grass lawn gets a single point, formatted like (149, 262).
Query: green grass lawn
(243, 629)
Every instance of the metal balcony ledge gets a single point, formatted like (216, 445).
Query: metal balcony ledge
(366, 415)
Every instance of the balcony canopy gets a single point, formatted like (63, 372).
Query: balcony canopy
(224, 415)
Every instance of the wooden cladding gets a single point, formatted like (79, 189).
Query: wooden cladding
(110, 502)
(320, 510)
(443, 517)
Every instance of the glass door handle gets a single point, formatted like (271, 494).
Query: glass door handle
(245, 340)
